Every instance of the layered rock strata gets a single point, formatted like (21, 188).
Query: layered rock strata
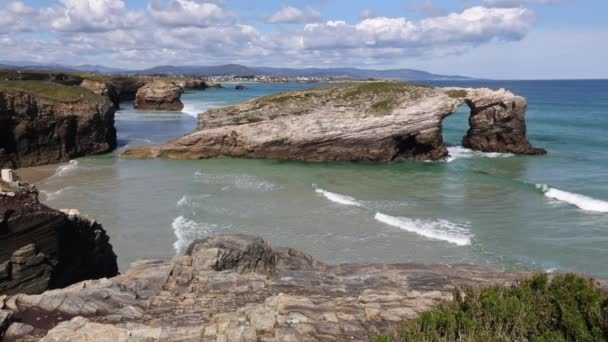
(240, 288)
(159, 95)
(42, 248)
(353, 122)
(37, 130)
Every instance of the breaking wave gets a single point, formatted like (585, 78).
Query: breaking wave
(443, 230)
(582, 202)
(338, 198)
(459, 152)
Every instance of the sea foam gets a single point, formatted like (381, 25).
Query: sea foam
(187, 231)
(582, 202)
(338, 198)
(235, 181)
(67, 168)
(51, 195)
(459, 152)
(443, 230)
(191, 201)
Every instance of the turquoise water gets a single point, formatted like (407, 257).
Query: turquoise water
(534, 213)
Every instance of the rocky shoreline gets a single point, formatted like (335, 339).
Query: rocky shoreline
(353, 122)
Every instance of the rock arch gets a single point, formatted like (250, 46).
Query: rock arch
(353, 122)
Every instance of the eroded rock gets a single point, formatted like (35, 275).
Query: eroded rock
(352, 122)
(159, 95)
(240, 288)
(42, 248)
(35, 130)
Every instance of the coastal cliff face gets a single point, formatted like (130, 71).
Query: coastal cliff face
(240, 288)
(39, 129)
(42, 248)
(159, 95)
(353, 122)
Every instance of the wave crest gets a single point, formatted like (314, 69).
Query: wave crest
(581, 201)
(338, 198)
(459, 152)
(443, 230)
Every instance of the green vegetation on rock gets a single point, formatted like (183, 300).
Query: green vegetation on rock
(566, 308)
(380, 88)
(456, 94)
(51, 91)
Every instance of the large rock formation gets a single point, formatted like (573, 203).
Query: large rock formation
(42, 248)
(353, 122)
(45, 123)
(159, 95)
(239, 288)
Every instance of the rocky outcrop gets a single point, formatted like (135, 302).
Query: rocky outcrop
(36, 129)
(42, 248)
(102, 88)
(126, 87)
(240, 288)
(240, 87)
(353, 122)
(159, 95)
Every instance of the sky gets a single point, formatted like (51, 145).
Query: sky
(500, 39)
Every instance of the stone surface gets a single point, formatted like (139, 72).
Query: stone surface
(17, 330)
(42, 248)
(353, 122)
(37, 131)
(240, 288)
(159, 95)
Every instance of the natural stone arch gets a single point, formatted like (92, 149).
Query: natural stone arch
(353, 122)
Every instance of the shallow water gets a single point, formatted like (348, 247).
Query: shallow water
(534, 213)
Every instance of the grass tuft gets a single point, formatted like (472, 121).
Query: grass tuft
(567, 308)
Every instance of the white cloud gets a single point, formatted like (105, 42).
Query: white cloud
(193, 32)
(188, 13)
(294, 15)
(473, 26)
(94, 16)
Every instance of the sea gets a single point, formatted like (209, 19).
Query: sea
(547, 213)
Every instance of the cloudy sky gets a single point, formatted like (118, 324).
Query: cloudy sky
(509, 39)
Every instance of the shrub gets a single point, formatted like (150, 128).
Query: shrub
(566, 308)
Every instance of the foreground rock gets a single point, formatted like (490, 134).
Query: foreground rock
(45, 123)
(239, 288)
(42, 248)
(159, 95)
(353, 122)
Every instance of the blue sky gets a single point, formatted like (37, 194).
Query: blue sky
(508, 39)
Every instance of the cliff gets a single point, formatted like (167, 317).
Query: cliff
(45, 123)
(353, 122)
(240, 288)
(159, 95)
(43, 248)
